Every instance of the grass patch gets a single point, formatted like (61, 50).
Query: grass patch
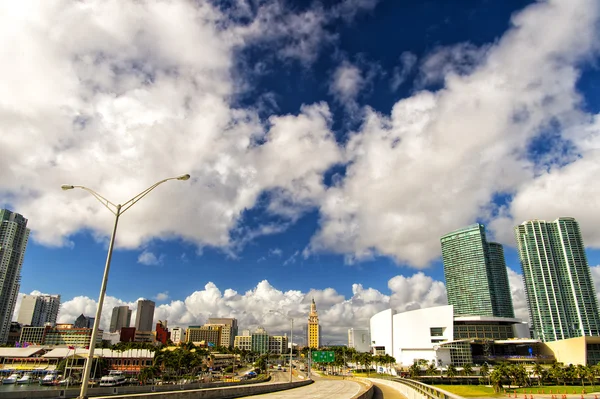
(476, 391)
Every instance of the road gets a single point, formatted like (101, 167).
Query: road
(322, 388)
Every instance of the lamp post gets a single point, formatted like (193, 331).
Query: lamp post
(291, 338)
(117, 210)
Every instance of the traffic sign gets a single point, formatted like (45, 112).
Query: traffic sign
(323, 356)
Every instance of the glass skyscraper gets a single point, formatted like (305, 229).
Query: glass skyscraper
(560, 292)
(14, 235)
(475, 273)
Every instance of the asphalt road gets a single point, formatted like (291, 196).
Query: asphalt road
(320, 389)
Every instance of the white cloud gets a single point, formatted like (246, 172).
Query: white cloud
(519, 297)
(347, 82)
(337, 313)
(401, 72)
(148, 258)
(162, 296)
(116, 93)
(438, 161)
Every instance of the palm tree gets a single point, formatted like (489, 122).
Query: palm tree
(484, 371)
(431, 370)
(451, 372)
(497, 375)
(366, 359)
(581, 371)
(414, 371)
(538, 370)
(468, 371)
(557, 372)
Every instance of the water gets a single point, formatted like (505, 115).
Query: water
(35, 386)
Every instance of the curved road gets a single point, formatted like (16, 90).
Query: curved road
(321, 389)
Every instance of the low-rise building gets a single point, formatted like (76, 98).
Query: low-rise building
(359, 339)
(243, 342)
(208, 335)
(278, 344)
(66, 334)
(177, 335)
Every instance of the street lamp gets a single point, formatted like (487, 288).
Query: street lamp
(291, 337)
(117, 210)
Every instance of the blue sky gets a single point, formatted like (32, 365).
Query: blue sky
(330, 145)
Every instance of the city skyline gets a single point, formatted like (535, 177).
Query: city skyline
(330, 145)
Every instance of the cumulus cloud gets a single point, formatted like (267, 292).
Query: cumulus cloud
(148, 258)
(439, 160)
(337, 313)
(116, 93)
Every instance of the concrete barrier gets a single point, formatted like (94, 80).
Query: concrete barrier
(412, 389)
(368, 393)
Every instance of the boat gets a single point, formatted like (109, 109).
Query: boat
(12, 379)
(26, 379)
(114, 378)
(49, 379)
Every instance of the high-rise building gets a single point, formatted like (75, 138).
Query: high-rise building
(560, 292)
(14, 235)
(178, 335)
(121, 317)
(84, 322)
(314, 330)
(475, 272)
(37, 310)
(359, 339)
(229, 329)
(145, 315)
(260, 341)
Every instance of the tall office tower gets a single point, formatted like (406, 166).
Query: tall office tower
(121, 317)
(13, 242)
(314, 330)
(37, 310)
(145, 315)
(558, 283)
(475, 272)
(229, 329)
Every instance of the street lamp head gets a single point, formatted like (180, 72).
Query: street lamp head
(184, 177)
(67, 187)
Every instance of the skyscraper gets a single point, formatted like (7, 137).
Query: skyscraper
(314, 333)
(560, 292)
(121, 317)
(145, 315)
(37, 310)
(84, 322)
(13, 242)
(475, 272)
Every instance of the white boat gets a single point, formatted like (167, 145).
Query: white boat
(114, 378)
(49, 379)
(12, 379)
(26, 379)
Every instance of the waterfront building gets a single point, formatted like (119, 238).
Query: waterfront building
(61, 334)
(84, 322)
(229, 329)
(14, 235)
(558, 283)
(177, 335)
(475, 272)
(314, 329)
(121, 317)
(38, 310)
(359, 339)
(206, 335)
(33, 335)
(144, 315)
(435, 335)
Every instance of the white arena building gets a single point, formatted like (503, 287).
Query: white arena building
(434, 335)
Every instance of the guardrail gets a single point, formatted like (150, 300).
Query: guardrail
(418, 390)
